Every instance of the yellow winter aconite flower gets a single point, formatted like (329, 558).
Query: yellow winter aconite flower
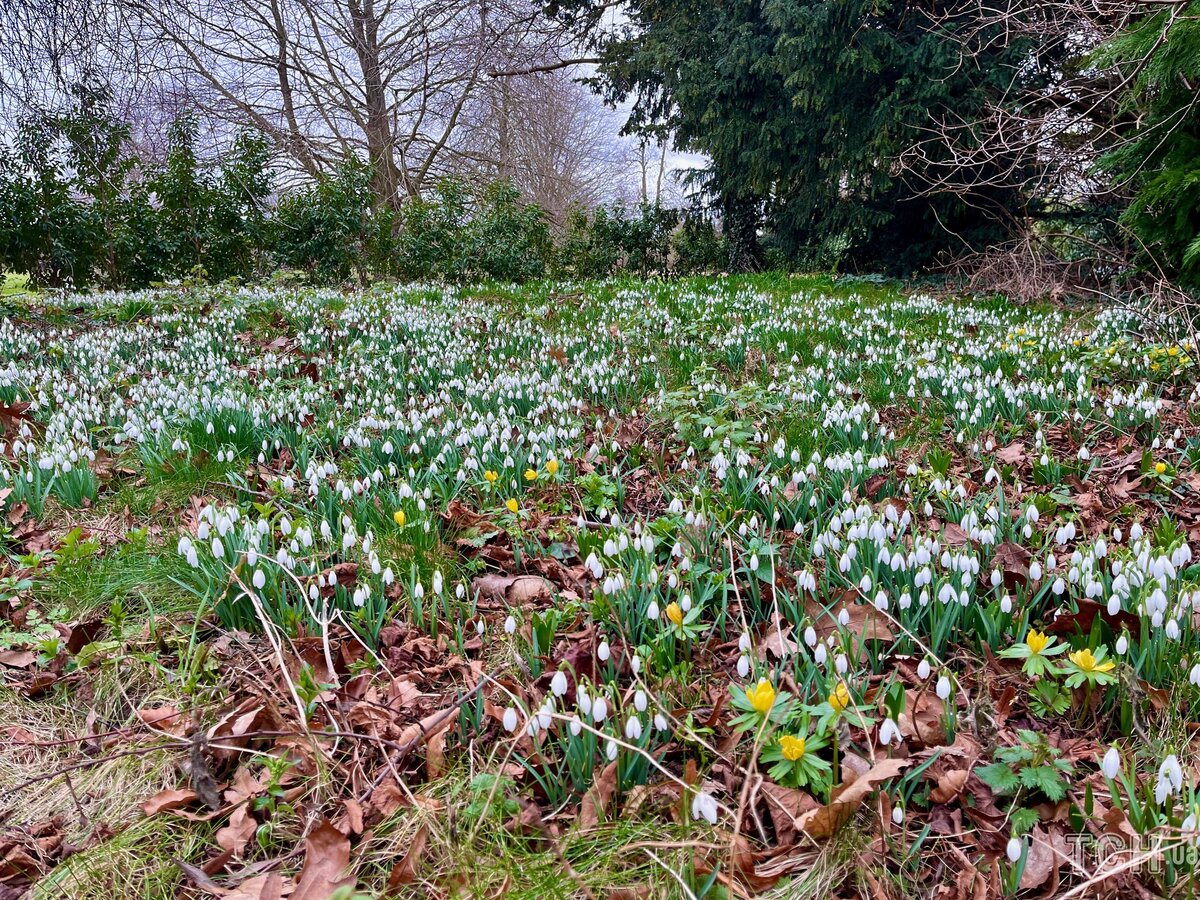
(512, 505)
(399, 518)
(1086, 662)
(552, 466)
(490, 477)
(761, 696)
(1036, 641)
(1160, 467)
(531, 474)
(792, 747)
(839, 697)
(674, 613)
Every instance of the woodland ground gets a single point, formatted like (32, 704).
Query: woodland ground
(589, 590)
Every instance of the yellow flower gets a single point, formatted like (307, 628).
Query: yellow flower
(839, 697)
(552, 466)
(1036, 641)
(674, 613)
(1085, 662)
(512, 505)
(1160, 467)
(761, 696)
(793, 747)
(531, 474)
(399, 518)
(490, 477)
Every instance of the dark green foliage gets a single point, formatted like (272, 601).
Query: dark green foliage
(79, 208)
(611, 240)
(803, 107)
(211, 220)
(698, 246)
(455, 237)
(1159, 159)
(63, 217)
(330, 229)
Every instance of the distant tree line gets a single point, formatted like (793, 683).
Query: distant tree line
(80, 208)
(896, 136)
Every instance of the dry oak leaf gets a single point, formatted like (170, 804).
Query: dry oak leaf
(863, 619)
(17, 659)
(405, 871)
(949, 785)
(262, 887)
(164, 718)
(237, 834)
(515, 590)
(825, 820)
(923, 717)
(599, 796)
(1012, 455)
(326, 859)
(786, 805)
(1039, 860)
(164, 801)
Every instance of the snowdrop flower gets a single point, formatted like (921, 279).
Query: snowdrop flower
(510, 625)
(743, 666)
(258, 579)
(1170, 779)
(599, 709)
(610, 750)
(639, 701)
(923, 669)
(1014, 849)
(889, 732)
(704, 806)
(1111, 765)
(510, 720)
(603, 651)
(898, 814)
(943, 688)
(633, 728)
(558, 684)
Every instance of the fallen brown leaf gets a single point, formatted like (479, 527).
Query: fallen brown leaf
(326, 859)
(596, 800)
(825, 820)
(164, 801)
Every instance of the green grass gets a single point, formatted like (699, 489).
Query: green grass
(14, 285)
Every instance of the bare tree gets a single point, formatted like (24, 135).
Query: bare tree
(387, 81)
(1059, 111)
(553, 139)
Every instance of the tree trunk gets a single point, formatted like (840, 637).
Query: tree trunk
(385, 174)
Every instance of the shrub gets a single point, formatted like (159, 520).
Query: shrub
(330, 229)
